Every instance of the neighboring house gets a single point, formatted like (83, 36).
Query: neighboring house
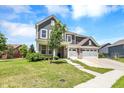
(12, 51)
(117, 49)
(104, 48)
(73, 46)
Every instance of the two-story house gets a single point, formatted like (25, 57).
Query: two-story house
(73, 46)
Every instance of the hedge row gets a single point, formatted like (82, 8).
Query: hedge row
(37, 57)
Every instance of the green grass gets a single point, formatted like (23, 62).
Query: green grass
(119, 59)
(96, 69)
(23, 74)
(119, 83)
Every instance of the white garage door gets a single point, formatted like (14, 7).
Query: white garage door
(72, 53)
(89, 53)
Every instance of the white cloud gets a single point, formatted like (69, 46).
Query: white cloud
(58, 9)
(79, 11)
(18, 29)
(78, 30)
(20, 8)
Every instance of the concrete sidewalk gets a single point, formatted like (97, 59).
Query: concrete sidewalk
(82, 69)
(103, 81)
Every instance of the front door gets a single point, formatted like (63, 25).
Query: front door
(60, 52)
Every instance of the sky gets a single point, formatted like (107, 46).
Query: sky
(104, 23)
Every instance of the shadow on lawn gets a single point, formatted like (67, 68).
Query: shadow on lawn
(58, 62)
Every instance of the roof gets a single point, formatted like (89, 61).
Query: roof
(86, 39)
(83, 41)
(104, 45)
(14, 45)
(73, 33)
(49, 17)
(119, 42)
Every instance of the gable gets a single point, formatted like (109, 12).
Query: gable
(88, 42)
(46, 23)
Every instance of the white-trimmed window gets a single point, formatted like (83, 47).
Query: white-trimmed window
(90, 43)
(52, 22)
(43, 49)
(69, 38)
(43, 33)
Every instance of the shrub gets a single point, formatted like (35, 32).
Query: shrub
(37, 57)
(33, 57)
(56, 57)
(23, 50)
(103, 55)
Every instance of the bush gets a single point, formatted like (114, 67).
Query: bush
(103, 55)
(33, 56)
(38, 57)
(56, 57)
(58, 61)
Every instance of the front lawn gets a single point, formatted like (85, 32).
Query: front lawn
(96, 69)
(24, 74)
(119, 59)
(119, 83)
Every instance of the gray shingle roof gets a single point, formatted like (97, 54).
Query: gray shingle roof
(104, 45)
(120, 42)
(83, 41)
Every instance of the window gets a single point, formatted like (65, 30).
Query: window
(69, 38)
(52, 22)
(90, 43)
(43, 49)
(43, 33)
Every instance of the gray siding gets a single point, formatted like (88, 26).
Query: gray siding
(104, 50)
(48, 27)
(116, 51)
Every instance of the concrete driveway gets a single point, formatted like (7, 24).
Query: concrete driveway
(105, 80)
(104, 63)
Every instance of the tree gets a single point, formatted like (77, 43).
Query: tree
(56, 36)
(10, 51)
(31, 49)
(23, 49)
(2, 43)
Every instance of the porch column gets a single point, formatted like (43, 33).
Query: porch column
(37, 47)
(67, 52)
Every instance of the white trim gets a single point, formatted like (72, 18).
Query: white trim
(49, 33)
(46, 33)
(71, 38)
